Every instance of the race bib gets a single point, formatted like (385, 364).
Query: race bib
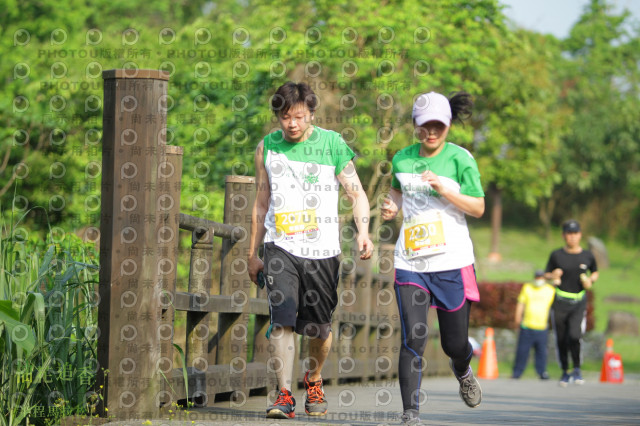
(296, 223)
(424, 235)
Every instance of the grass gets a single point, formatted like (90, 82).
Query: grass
(48, 327)
(524, 250)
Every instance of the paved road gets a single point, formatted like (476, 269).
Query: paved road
(505, 401)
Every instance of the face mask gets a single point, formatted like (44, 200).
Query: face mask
(539, 282)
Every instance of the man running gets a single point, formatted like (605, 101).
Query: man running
(299, 171)
(573, 270)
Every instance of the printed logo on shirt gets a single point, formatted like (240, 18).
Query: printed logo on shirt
(311, 179)
(426, 189)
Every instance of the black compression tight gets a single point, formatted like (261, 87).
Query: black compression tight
(413, 304)
(569, 322)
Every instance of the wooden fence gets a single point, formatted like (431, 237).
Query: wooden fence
(226, 350)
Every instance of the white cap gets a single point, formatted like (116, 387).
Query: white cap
(431, 106)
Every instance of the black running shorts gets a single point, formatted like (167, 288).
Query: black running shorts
(302, 292)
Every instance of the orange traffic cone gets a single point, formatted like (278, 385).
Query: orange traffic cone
(611, 365)
(488, 366)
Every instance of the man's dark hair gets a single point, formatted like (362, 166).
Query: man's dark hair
(290, 94)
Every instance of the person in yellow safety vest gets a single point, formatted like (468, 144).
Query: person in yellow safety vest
(532, 316)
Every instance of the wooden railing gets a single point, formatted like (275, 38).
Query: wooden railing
(225, 347)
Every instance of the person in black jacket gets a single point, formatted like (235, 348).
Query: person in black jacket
(572, 270)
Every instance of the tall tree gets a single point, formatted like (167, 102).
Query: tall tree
(600, 154)
(520, 125)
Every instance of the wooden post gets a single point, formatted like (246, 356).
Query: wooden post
(235, 282)
(386, 329)
(131, 267)
(363, 351)
(200, 278)
(170, 181)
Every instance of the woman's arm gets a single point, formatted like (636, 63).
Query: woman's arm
(473, 206)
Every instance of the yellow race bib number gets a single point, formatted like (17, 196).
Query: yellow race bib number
(424, 235)
(296, 222)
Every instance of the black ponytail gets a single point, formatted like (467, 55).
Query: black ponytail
(461, 105)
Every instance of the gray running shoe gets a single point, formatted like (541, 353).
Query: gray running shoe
(284, 407)
(314, 404)
(470, 391)
(411, 419)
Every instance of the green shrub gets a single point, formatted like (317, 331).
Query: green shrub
(48, 326)
(497, 306)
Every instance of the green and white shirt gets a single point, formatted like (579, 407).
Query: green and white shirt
(434, 235)
(303, 210)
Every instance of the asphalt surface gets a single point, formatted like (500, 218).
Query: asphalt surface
(505, 401)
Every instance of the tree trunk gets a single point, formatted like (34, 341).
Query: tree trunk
(545, 212)
(496, 222)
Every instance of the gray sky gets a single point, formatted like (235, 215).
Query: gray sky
(556, 16)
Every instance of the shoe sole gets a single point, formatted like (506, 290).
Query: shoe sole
(469, 405)
(279, 414)
(466, 403)
(563, 384)
(579, 382)
(460, 392)
(315, 413)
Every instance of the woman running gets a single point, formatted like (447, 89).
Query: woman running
(435, 183)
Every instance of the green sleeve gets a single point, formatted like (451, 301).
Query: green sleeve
(342, 154)
(395, 183)
(265, 148)
(470, 179)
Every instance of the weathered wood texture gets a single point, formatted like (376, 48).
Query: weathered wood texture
(134, 257)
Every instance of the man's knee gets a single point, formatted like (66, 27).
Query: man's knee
(278, 331)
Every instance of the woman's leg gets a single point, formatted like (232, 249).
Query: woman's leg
(413, 304)
(454, 335)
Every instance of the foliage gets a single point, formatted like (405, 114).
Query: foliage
(599, 155)
(553, 119)
(521, 123)
(48, 327)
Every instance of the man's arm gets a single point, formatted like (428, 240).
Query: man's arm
(392, 204)
(519, 313)
(587, 282)
(553, 273)
(351, 183)
(260, 209)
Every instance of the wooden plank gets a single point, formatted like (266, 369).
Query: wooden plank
(217, 379)
(234, 276)
(193, 223)
(217, 303)
(355, 318)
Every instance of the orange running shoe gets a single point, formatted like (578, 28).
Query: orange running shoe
(314, 404)
(284, 407)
